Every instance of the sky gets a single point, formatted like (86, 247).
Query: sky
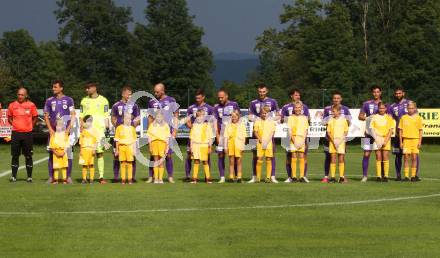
(229, 25)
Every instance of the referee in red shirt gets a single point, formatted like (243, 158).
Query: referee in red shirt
(22, 115)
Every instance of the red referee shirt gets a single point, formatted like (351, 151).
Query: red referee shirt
(22, 114)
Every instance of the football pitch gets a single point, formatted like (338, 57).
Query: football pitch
(393, 219)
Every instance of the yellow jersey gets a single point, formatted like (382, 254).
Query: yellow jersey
(298, 125)
(411, 126)
(337, 127)
(265, 128)
(88, 139)
(125, 135)
(382, 124)
(59, 140)
(235, 131)
(159, 132)
(201, 133)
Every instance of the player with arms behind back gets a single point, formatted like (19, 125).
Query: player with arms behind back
(411, 130)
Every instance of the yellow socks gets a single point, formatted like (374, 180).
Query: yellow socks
(161, 170)
(130, 171)
(341, 169)
(378, 168)
(293, 167)
(196, 170)
(413, 172)
(123, 170)
(92, 173)
(386, 168)
(332, 170)
(64, 172)
(301, 168)
(268, 168)
(55, 175)
(156, 173)
(406, 171)
(207, 172)
(259, 167)
(84, 173)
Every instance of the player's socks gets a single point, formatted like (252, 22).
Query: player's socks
(302, 168)
(327, 164)
(156, 173)
(418, 165)
(116, 167)
(134, 169)
(207, 172)
(170, 166)
(386, 168)
(254, 165)
(150, 169)
(414, 172)
(378, 168)
(365, 161)
(273, 165)
(29, 166)
(289, 168)
(342, 170)
(221, 166)
(406, 172)
(84, 173)
(259, 167)
(293, 167)
(64, 173)
(100, 161)
(55, 175)
(398, 164)
(92, 173)
(269, 168)
(123, 171)
(50, 164)
(69, 167)
(196, 170)
(130, 171)
(333, 170)
(161, 171)
(188, 166)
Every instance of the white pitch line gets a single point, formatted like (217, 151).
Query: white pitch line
(228, 208)
(22, 167)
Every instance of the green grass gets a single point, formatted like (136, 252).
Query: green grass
(407, 228)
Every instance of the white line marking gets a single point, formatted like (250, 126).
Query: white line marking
(228, 208)
(22, 167)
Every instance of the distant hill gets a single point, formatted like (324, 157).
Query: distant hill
(233, 67)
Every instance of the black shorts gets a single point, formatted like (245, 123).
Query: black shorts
(22, 143)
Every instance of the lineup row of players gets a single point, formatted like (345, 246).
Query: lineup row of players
(96, 116)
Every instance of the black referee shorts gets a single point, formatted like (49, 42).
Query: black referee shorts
(22, 143)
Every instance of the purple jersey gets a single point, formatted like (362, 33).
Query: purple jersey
(121, 108)
(257, 104)
(59, 107)
(191, 111)
(345, 111)
(224, 111)
(168, 106)
(398, 109)
(369, 108)
(289, 109)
